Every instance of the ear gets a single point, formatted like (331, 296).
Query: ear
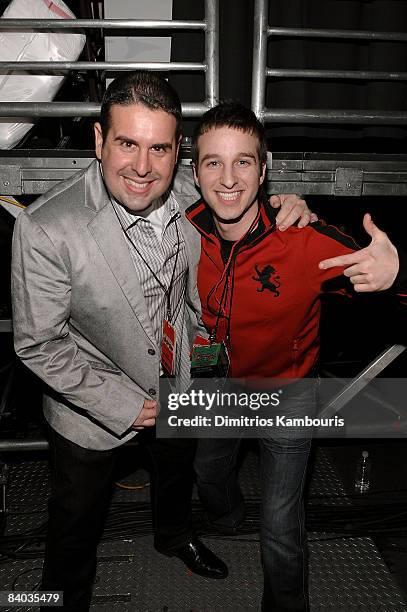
(263, 173)
(195, 175)
(98, 140)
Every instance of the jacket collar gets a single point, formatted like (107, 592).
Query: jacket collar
(96, 195)
(200, 215)
(106, 231)
(108, 234)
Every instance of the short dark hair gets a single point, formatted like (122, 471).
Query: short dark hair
(141, 87)
(234, 115)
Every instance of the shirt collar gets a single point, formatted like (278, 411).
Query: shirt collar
(128, 219)
(171, 209)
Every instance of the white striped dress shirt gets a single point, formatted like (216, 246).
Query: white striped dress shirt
(159, 250)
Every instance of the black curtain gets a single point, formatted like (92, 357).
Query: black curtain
(236, 47)
(334, 54)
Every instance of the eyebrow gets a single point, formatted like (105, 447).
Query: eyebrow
(164, 145)
(216, 156)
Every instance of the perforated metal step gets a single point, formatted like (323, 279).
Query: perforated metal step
(346, 574)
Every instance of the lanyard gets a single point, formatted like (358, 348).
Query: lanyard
(223, 302)
(228, 274)
(166, 291)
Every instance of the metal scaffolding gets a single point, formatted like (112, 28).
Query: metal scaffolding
(210, 66)
(262, 32)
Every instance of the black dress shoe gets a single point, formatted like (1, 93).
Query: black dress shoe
(199, 559)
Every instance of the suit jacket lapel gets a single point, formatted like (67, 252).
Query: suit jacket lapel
(108, 234)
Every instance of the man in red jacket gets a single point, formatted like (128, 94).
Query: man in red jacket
(260, 293)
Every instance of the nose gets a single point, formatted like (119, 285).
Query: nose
(228, 178)
(141, 163)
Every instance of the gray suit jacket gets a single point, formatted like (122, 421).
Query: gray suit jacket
(79, 315)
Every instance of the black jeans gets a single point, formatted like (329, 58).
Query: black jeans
(81, 488)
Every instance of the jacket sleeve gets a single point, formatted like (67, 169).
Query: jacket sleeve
(41, 292)
(323, 241)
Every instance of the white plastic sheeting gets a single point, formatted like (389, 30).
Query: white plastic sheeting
(33, 46)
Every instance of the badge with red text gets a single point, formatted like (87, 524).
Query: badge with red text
(168, 345)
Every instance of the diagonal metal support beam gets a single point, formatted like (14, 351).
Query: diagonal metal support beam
(369, 373)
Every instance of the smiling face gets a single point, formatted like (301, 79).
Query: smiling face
(229, 174)
(138, 154)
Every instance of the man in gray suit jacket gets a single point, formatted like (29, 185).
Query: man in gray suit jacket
(100, 263)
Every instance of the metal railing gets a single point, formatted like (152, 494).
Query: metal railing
(210, 67)
(262, 32)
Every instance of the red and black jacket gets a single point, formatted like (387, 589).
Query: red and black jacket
(264, 297)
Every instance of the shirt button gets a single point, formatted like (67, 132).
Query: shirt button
(152, 392)
(151, 351)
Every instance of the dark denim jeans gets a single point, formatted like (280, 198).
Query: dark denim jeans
(216, 478)
(284, 457)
